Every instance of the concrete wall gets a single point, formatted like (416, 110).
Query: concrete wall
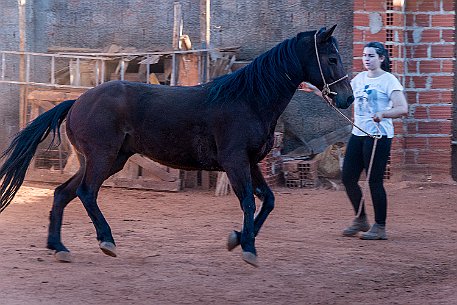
(9, 94)
(254, 25)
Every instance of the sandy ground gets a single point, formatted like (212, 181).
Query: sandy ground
(172, 250)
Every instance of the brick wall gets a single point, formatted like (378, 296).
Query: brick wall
(420, 38)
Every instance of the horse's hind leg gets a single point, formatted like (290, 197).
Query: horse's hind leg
(99, 166)
(264, 193)
(63, 194)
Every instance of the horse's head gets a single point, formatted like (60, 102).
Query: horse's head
(326, 70)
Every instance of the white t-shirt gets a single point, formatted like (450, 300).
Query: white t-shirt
(372, 94)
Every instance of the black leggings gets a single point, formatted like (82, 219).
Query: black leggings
(357, 158)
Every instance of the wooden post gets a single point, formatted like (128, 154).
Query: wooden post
(177, 25)
(177, 32)
(205, 36)
(22, 72)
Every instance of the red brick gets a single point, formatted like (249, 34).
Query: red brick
(420, 51)
(415, 142)
(447, 35)
(443, 20)
(431, 35)
(419, 81)
(439, 143)
(429, 97)
(409, 51)
(411, 97)
(411, 128)
(447, 96)
(422, 20)
(380, 36)
(359, 4)
(361, 19)
(444, 82)
(409, 19)
(433, 157)
(442, 51)
(398, 67)
(447, 66)
(430, 66)
(357, 35)
(427, 5)
(448, 6)
(410, 157)
(398, 126)
(435, 97)
(398, 19)
(357, 65)
(357, 50)
(421, 112)
(440, 127)
(440, 112)
(375, 6)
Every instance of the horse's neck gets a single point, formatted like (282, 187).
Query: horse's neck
(273, 110)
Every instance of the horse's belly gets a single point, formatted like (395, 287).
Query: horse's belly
(193, 154)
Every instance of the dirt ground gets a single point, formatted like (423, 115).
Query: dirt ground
(172, 250)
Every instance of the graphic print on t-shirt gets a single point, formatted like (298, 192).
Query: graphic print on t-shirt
(367, 101)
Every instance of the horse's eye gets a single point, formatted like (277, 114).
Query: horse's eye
(333, 61)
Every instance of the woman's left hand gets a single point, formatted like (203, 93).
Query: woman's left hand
(378, 117)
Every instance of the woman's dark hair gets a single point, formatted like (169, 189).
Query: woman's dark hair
(381, 51)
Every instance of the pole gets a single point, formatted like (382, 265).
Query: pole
(22, 72)
(205, 35)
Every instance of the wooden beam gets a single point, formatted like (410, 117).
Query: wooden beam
(22, 72)
(205, 36)
(177, 24)
(153, 168)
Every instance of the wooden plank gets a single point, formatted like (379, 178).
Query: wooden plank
(57, 177)
(153, 168)
(177, 25)
(144, 184)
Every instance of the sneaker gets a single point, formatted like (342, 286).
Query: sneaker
(376, 232)
(358, 224)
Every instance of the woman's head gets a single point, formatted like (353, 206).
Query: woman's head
(375, 56)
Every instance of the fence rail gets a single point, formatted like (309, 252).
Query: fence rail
(100, 59)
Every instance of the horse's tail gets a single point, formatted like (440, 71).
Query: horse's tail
(24, 145)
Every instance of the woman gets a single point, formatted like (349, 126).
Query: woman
(378, 99)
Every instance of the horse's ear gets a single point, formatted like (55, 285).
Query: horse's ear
(324, 34)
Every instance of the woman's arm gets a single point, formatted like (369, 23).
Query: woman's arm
(399, 107)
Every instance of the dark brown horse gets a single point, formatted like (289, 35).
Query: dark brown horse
(225, 125)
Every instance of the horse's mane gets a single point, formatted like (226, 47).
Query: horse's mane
(268, 77)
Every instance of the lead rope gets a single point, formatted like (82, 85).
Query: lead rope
(375, 137)
(325, 94)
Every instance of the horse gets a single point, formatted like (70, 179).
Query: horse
(226, 125)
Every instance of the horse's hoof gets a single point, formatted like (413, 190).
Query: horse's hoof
(250, 258)
(108, 248)
(63, 256)
(232, 241)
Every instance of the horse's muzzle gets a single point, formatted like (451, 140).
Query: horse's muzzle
(348, 103)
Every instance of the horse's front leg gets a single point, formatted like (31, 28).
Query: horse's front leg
(239, 175)
(264, 193)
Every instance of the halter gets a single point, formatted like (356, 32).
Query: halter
(326, 92)
(326, 89)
